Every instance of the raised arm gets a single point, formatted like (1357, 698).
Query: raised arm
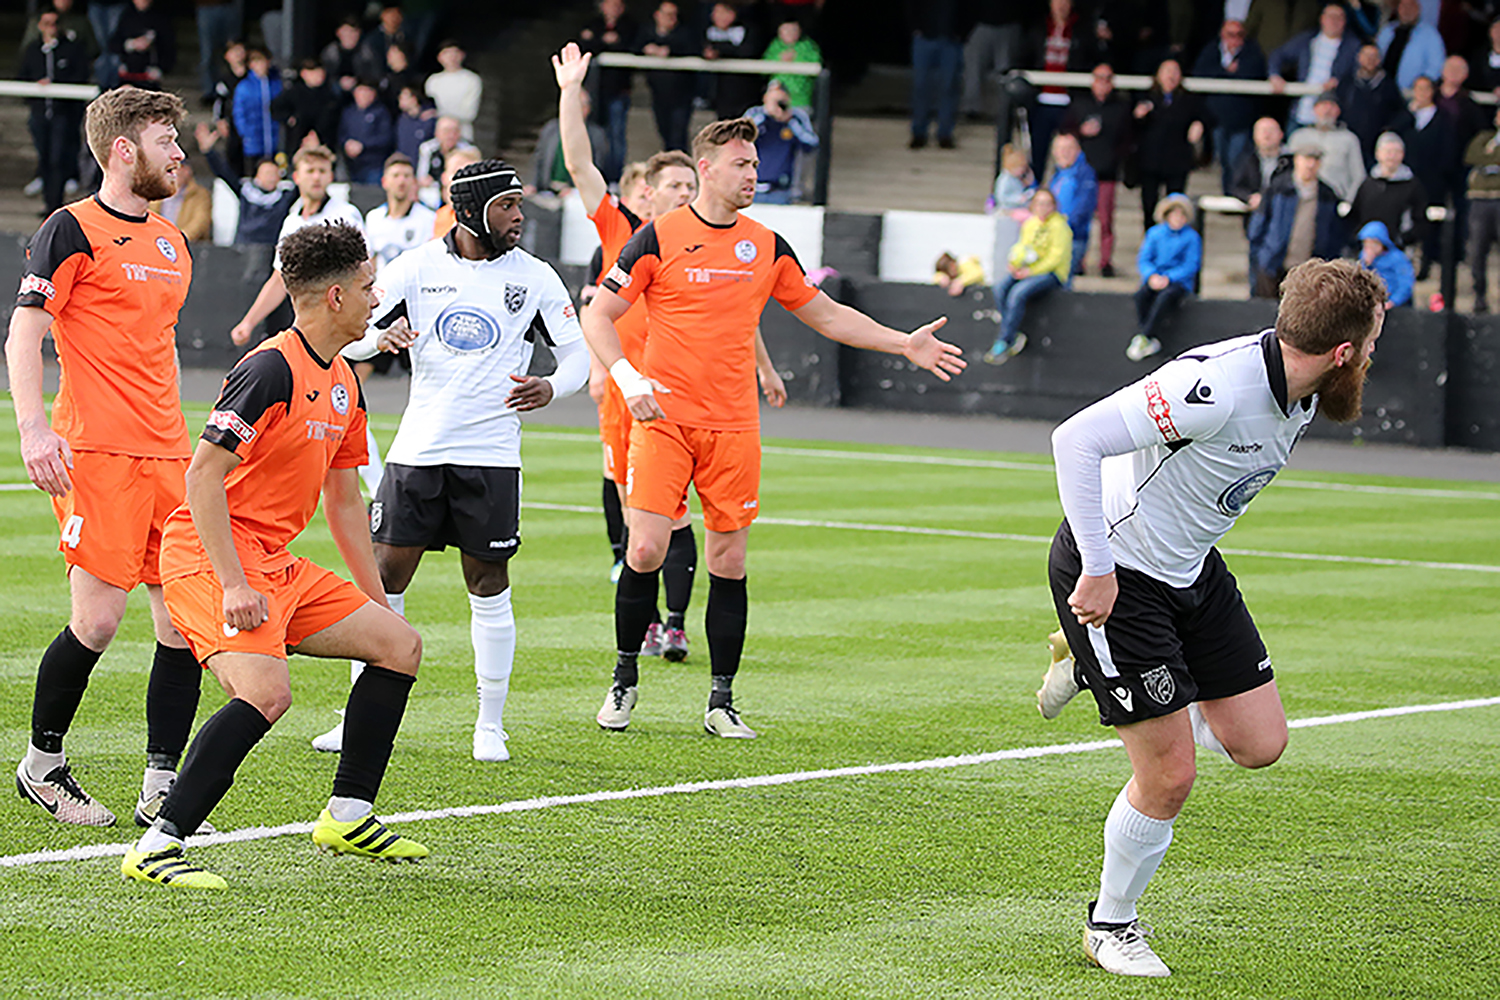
(850, 326)
(571, 66)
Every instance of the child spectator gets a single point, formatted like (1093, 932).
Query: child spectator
(1377, 253)
(1077, 192)
(954, 275)
(789, 45)
(260, 136)
(1037, 264)
(1169, 260)
(1014, 186)
(416, 123)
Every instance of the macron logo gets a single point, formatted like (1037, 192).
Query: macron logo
(1123, 696)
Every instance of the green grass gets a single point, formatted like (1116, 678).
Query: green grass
(1362, 865)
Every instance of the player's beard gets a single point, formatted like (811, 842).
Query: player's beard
(1341, 392)
(151, 183)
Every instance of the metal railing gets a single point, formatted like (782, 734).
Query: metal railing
(56, 91)
(822, 93)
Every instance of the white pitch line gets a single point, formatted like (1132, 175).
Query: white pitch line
(1000, 536)
(90, 851)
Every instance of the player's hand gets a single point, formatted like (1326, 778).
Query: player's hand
(48, 458)
(570, 66)
(245, 608)
(924, 350)
(1093, 598)
(396, 338)
(529, 393)
(644, 407)
(597, 379)
(241, 333)
(772, 385)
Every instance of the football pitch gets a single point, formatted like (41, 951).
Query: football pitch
(906, 825)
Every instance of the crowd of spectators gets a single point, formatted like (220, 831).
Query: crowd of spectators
(1389, 131)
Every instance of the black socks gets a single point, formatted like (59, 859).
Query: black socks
(61, 679)
(376, 706)
(635, 608)
(614, 519)
(171, 703)
(724, 621)
(677, 574)
(208, 770)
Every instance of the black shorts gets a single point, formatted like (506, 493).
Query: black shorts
(475, 508)
(383, 360)
(1163, 647)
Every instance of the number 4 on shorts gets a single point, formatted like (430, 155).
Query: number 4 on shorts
(72, 531)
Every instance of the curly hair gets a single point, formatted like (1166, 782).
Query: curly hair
(720, 133)
(315, 257)
(1325, 303)
(124, 111)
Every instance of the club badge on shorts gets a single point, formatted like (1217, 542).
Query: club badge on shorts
(1159, 684)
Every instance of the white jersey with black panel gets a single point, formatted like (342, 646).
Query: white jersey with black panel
(1209, 430)
(477, 323)
(332, 210)
(390, 237)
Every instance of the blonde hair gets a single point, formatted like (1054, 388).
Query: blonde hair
(633, 174)
(124, 111)
(322, 153)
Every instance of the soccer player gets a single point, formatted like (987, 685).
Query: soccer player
(393, 228)
(470, 308)
(1152, 621)
(108, 277)
(312, 172)
(705, 272)
(669, 182)
(288, 424)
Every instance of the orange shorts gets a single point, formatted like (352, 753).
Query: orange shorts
(111, 519)
(305, 599)
(723, 466)
(614, 432)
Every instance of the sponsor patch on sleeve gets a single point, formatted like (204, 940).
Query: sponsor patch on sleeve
(569, 312)
(38, 285)
(1160, 411)
(618, 275)
(230, 421)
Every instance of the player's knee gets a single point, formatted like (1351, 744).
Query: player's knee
(94, 627)
(404, 652)
(645, 555)
(1261, 753)
(270, 702)
(1166, 789)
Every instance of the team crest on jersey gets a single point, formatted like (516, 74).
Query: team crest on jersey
(745, 251)
(167, 249)
(465, 330)
(1159, 684)
(1232, 501)
(515, 297)
(339, 397)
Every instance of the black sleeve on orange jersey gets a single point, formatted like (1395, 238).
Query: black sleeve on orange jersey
(784, 249)
(596, 267)
(630, 217)
(59, 238)
(361, 394)
(642, 244)
(253, 386)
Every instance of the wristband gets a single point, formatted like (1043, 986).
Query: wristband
(631, 382)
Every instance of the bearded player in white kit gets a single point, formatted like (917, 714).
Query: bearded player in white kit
(1153, 623)
(470, 307)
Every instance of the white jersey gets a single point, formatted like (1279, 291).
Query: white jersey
(477, 322)
(1215, 427)
(333, 210)
(390, 238)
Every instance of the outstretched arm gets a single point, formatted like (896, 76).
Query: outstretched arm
(850, 326)
(571, 66)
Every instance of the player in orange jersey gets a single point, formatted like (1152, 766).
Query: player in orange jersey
(289, 423)
(669, 182)
(109, 278)
(705, 273)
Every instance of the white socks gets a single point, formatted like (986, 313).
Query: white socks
(154, 840)
(1134, 845)
(398, 605)
(39, 764)
(1203, 733)
(155, 780)
(346, 810)
(492, 629)
(371, 473)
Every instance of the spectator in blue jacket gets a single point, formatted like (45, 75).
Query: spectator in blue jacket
(1232, 57)
(1076, 189)
(260, 132)
(1282, 236)
(1169, 260)
(366, 134)
(784, 134)
(1377, 253)
(1410, 47)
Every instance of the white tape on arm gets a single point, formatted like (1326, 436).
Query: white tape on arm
(631, 382)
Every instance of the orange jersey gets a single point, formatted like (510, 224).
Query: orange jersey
(113, 284)
(291, 417)
(445, 221)
(616, 225)
(704, 287)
